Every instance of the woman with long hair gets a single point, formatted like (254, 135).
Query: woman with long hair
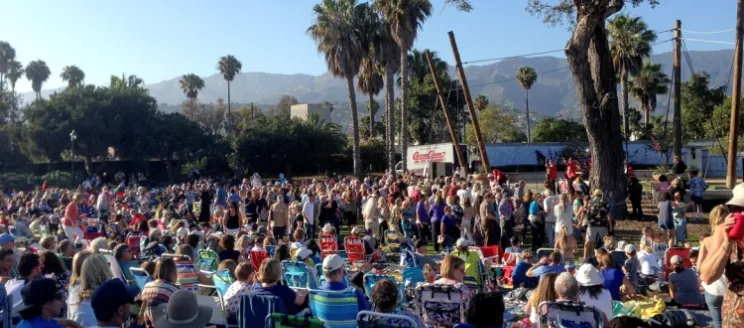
(614, 278)
(563, 214)
(592, 290)
(566, 243)
(453, 273)
(158, 291)
(77, 265)
(715, 291)
(95, 271)
(545, 292)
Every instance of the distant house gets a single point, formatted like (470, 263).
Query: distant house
(302, 111)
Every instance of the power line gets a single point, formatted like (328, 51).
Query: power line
(515, 56)
(709, 41)
(513, 79)
(711, 32)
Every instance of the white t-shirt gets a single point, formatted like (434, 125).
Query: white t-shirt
(717, 288)
(563, 218)
(649, 263)
(465, 193)
(309, 210)
(602, 303)
(548, 205)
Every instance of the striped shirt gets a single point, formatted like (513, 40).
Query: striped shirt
(155, 293)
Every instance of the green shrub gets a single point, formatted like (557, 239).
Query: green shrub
(25, 181)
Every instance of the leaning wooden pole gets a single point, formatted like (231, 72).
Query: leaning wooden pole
(676, 90)
(476, 127)
(735, 102)
(443, 101)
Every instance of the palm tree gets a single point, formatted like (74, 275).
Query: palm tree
(7, 54)
(370, 83)
(630, 43)
(403, 18)
(526, 76)
(337, 36)
(229, 66)
(644, 87)
(73, 75)
(37, 72)
(191, 84)
(480, 102)
(15, 72)
(126, 82)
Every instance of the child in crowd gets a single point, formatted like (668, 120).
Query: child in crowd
(632, 265)
(693, 259)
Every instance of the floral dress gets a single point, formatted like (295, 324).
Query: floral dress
(733, 302)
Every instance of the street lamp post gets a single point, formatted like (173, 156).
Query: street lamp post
(73, 136)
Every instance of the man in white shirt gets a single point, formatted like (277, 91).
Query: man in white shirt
(104, 202)
(308, 213)
(548, 204)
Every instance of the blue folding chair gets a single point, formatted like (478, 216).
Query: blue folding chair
(257, 309)
(141, 277)
(321, 277)
(271, 249)
(413, 276)
(337, 309)
(371, 279)
(222, 280)
(297, 275)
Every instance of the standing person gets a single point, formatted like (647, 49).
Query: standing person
(206, 200)
(564, 213)
(278, 218)
(468, 216)
(598, 221)
(537, 222)
(220, 199)
(437, 213)
(422, 219)
(679, 209)
(308, 216)
(71, 223)
(715, 291)
(548, 206)
(679, 167)
(697, 188)
(233, 219)
(572, 169)
(635, 194)
(489, 223)
(551, 173)
(526, 201)
(371, 214)
(449, 228)
(506, 219)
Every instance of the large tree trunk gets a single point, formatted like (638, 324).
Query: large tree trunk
(228, 124)
(389, 119)
(354, 126)
(404, 107)
(589, 57)
(625, 106)
(646, 118)
(527, 108)
(371, 116)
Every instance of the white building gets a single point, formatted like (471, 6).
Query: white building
(302, 111)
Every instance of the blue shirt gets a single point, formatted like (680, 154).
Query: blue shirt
(505, 211)
(234, 197)
(534, 208)
(697, 186)
(437, 212)
(337, 285)
(519, 275)
(38, 322)
(545, 269)
(286, 294)
(221, 197)
(422, 214)
(450, 224)
(613, 279)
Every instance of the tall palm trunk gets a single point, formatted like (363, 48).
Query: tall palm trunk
(228, 124)
(403, 107)
(371, 116)
(646, 117)
(527, 109)
(389, 110)
(624, 102)
(354, 126)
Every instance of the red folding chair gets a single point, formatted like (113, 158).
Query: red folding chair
(257, 257)
(328, 244)
(355, 249)
(509, 261)
(491, 252)
(684, 253)
(508, 271)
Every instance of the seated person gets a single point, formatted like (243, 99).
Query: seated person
(270, 274)
(694, 259)
(42, 303)
(486, 310)
(545, 265)
(124, 256)
(242, 286)
(370, 242)
(649, 264)
(519, 275)
(684, 285)
(472, 260)
(385, 298)
(333, 270)
(421, 258)
(514, 250)
(228, 265)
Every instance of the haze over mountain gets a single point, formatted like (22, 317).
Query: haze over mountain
(553, 94)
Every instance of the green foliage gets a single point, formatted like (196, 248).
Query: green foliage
(364, 127)
(699, 101)
(284, 107)
(719, 127)
(495, 126)
(559, 130)
(373, 154)
(29, 181)
(646, 85)
(197, 164)
(37, 72)
(526, 76)
(73, 75)
(191, 84)
(229, 66)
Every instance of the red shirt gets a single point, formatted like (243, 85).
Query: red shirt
(571, 170)
(453, 191)
(71, 215)
(552, 172)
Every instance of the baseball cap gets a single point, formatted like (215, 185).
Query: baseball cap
(303, 253)
(630, 248)
(462, 242)
(333, 262)
(38, 292)
(6, 238)
(109, 296)
(675, 259)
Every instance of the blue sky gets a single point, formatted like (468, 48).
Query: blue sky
(163, 39)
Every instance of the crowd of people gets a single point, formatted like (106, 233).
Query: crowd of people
(57, 245)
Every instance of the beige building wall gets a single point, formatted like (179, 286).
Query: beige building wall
(302, 111)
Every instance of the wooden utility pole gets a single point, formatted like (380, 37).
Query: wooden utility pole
(735, 100)
(676, 77)
(476, 127)
(443, 101)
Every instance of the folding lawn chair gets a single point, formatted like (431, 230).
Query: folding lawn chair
(337, 309)
(369, 319)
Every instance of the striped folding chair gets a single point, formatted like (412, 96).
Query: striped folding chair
(187, 275)
(297, 275)
(255, 310)
(337, 309)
